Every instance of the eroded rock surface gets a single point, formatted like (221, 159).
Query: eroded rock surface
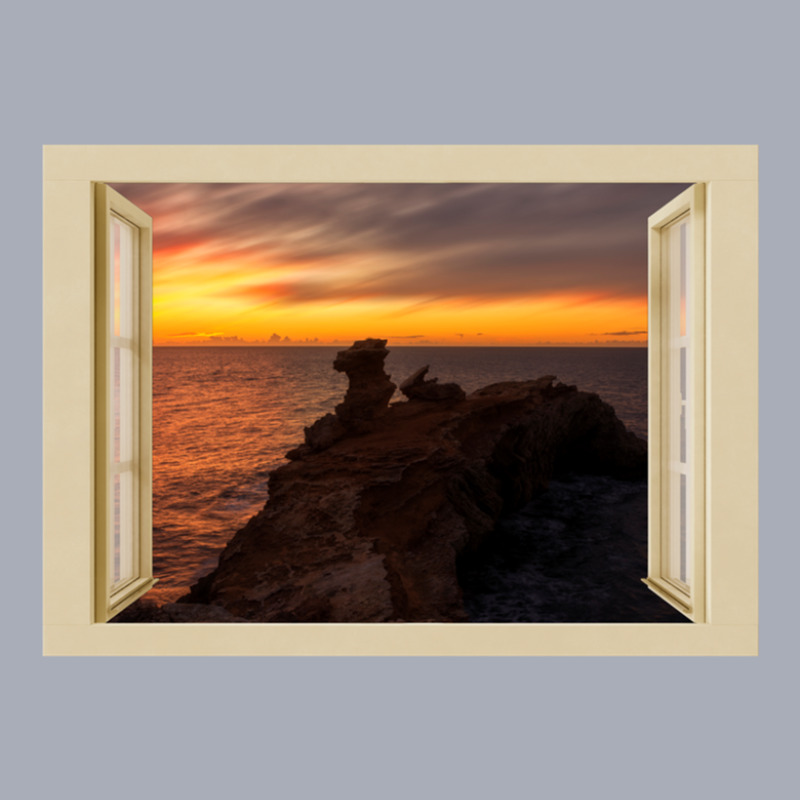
(370, 389)
(368, 394)
(576, 553)
(417, 387)
(366, 523)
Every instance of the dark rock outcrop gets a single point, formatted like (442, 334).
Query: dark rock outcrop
(366, 524)
(575, 553)
(370, 389)
(321, 435)
(368, 395)
(416, 387)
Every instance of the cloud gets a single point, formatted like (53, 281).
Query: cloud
(413, 240)
(226, 339)
(195, 335)
(625, 333)
(219, 338)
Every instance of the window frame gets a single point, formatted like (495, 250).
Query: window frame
(689, 598)
(730, 176)
(111, 599)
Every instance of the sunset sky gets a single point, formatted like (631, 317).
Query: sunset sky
(474, 264)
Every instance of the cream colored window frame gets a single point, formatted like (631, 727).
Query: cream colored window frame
(111, 598)
(688, 597)
(730, 177)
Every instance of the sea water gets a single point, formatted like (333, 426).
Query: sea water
(224, 418)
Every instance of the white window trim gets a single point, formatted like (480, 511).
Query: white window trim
(730, 176)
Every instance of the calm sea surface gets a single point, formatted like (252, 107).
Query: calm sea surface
(223, 418)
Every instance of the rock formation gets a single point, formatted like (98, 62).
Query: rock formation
(370, 389)
(367, 521)
(415, 387)
(368, 395)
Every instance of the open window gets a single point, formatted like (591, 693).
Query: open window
(676, 306)
(703, 560)
(123, 402)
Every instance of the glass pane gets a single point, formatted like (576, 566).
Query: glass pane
(684, 229)
(121, 241)
(683, 435)
(122, 390)
(115, 237)
(123, 514)
(123, 406)
(683, 527)
(683, 373)
(679, 444)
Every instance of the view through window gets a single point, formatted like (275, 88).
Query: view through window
(257, 287)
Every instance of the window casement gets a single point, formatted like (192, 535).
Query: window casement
(677, 411)
(703, 412)
(123, 403)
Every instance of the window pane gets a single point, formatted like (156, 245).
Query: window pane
(115, 237)
(683, 373)
(679, 339)
(683, 434)
(684, 229)
(122, 277)
(122, 388)
(123, 526)
(683, 531)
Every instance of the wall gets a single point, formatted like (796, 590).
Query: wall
(395, 73)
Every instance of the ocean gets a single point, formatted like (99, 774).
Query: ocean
(224, 417)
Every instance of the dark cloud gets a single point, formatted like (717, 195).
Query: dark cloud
(624, 333)
(218, 338)
(416, 240)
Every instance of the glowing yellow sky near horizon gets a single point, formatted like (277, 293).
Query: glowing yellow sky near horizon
(197, 301)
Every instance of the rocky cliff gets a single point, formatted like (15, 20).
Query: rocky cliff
(368, 519)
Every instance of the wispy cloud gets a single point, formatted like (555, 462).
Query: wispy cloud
(410, 241)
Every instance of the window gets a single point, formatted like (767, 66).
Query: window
(676, 559)
(723, 418)
(123, 399)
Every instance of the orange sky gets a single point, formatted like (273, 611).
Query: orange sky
(484, 264)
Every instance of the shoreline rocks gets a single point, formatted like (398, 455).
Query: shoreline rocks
(368, 394)
(416, 387)
(368, 519)
(576, 553)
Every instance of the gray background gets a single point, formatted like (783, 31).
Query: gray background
(399, 73)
